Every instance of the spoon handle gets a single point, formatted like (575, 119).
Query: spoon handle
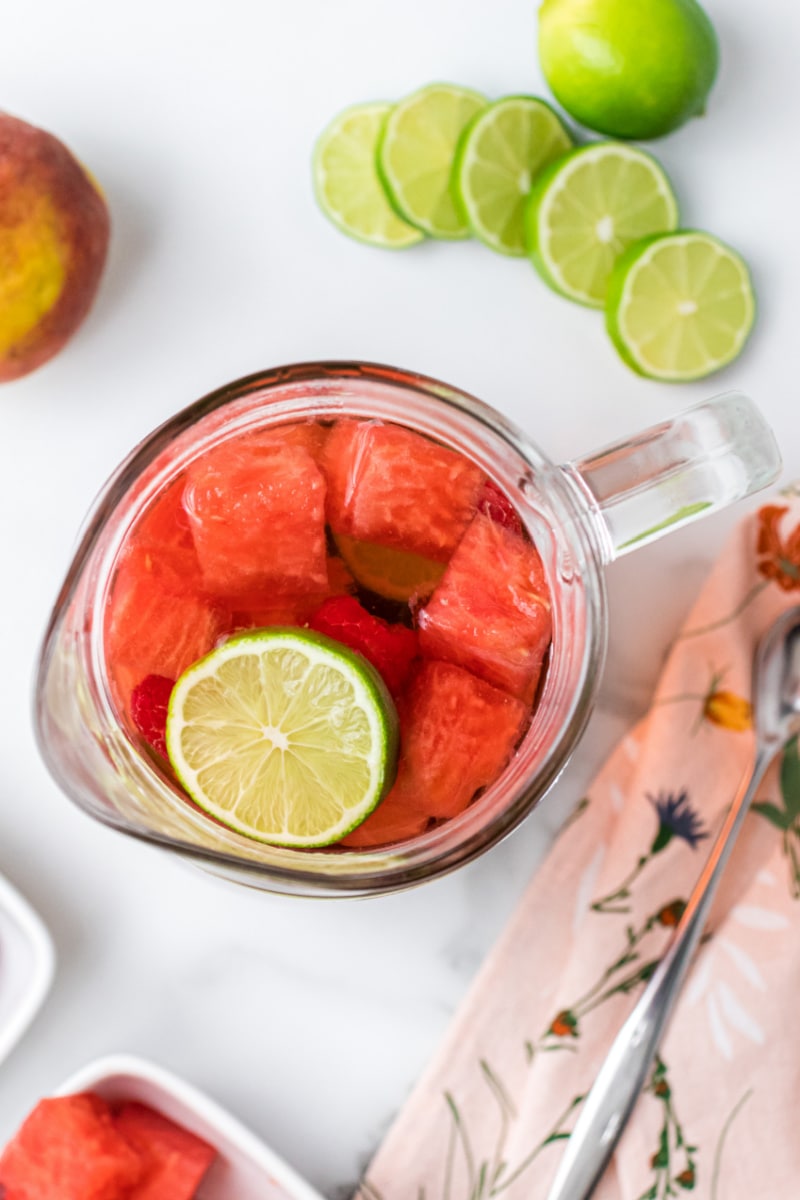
(624, 1071)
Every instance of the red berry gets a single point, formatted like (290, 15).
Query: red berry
(496, 505)
(390, 648)
(149, 702)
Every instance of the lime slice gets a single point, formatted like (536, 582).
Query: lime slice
(395, 574)
(588, 207)
(501, 153)
(283, 735)
(417, 152)
(346, 181)
(680, 306)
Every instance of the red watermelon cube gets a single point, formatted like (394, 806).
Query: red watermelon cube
(491, 611)
(398, 488)
(69, 1148)
(174, 1159)
(394, 820)
(156, 624)
(256, 510)
(457, 734)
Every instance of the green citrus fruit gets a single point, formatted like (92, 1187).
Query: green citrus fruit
(416, 156)
(586, 208)
(347, 184)
(502, 151)
(679, 306)
(628, 68)
(283, 735)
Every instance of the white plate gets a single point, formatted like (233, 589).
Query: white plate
(26, 965)
(245, 1170)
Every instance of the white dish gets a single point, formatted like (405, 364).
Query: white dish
(27, 961)
(245, 1170)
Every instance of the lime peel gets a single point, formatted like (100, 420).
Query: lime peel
(283, 735)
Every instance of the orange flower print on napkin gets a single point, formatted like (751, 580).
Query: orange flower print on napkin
(778, 560)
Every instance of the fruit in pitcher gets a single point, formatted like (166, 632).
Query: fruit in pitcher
(628, 70)
(458, 733)
(54, 232)
(398, 488)
(284, 735)
(493, 622)
(256, 511)
(329, 598)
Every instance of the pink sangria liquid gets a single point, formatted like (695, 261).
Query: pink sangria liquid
(384, 540)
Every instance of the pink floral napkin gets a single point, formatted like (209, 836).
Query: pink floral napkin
(720, 1112)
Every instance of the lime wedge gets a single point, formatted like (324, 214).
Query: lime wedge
(417, 152)
(346, 181)
(395, 574)
(502, 151)
(283, 735)
(680, 306)
(588, 207)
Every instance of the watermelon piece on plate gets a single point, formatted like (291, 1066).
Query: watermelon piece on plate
(491, 612)
(69, 1148)
(457, 734)
(156, 624)
(397, 488)
(174, 1160)
(256, 510)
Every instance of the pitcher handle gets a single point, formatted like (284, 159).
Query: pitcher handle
(703, 459)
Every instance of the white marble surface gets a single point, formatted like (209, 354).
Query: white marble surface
(312, 1020)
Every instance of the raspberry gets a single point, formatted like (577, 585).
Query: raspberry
(390, 648)
(149, 702)
(496, 505)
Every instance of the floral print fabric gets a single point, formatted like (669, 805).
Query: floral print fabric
(717, 1118)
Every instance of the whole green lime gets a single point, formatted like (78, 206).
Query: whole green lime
(628, 68)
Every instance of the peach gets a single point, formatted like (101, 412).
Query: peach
(54, 230)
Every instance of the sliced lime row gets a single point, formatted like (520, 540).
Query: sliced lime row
(283, 735)
(346, 181)
(501, 153)
(588, 207)
(680, 306)
(416, 156)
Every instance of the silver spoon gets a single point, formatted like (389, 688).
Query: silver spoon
(776, 704)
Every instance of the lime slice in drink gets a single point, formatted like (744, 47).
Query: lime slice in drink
(588, 207)
(680, 306)
(502, 151)
(416, 156)
(283, 735)
(347, 184)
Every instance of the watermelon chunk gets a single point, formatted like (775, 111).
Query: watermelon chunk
(164, 531)
(69, 1148)
(257, 515)
(394, 820)
(156, 624)
(391, 486)
(263, 609)
(491, 611)
(457, 734)
(174, 1159)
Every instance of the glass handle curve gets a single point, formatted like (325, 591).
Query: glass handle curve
(703, 459)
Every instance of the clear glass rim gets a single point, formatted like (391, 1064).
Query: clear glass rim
(363, 872)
